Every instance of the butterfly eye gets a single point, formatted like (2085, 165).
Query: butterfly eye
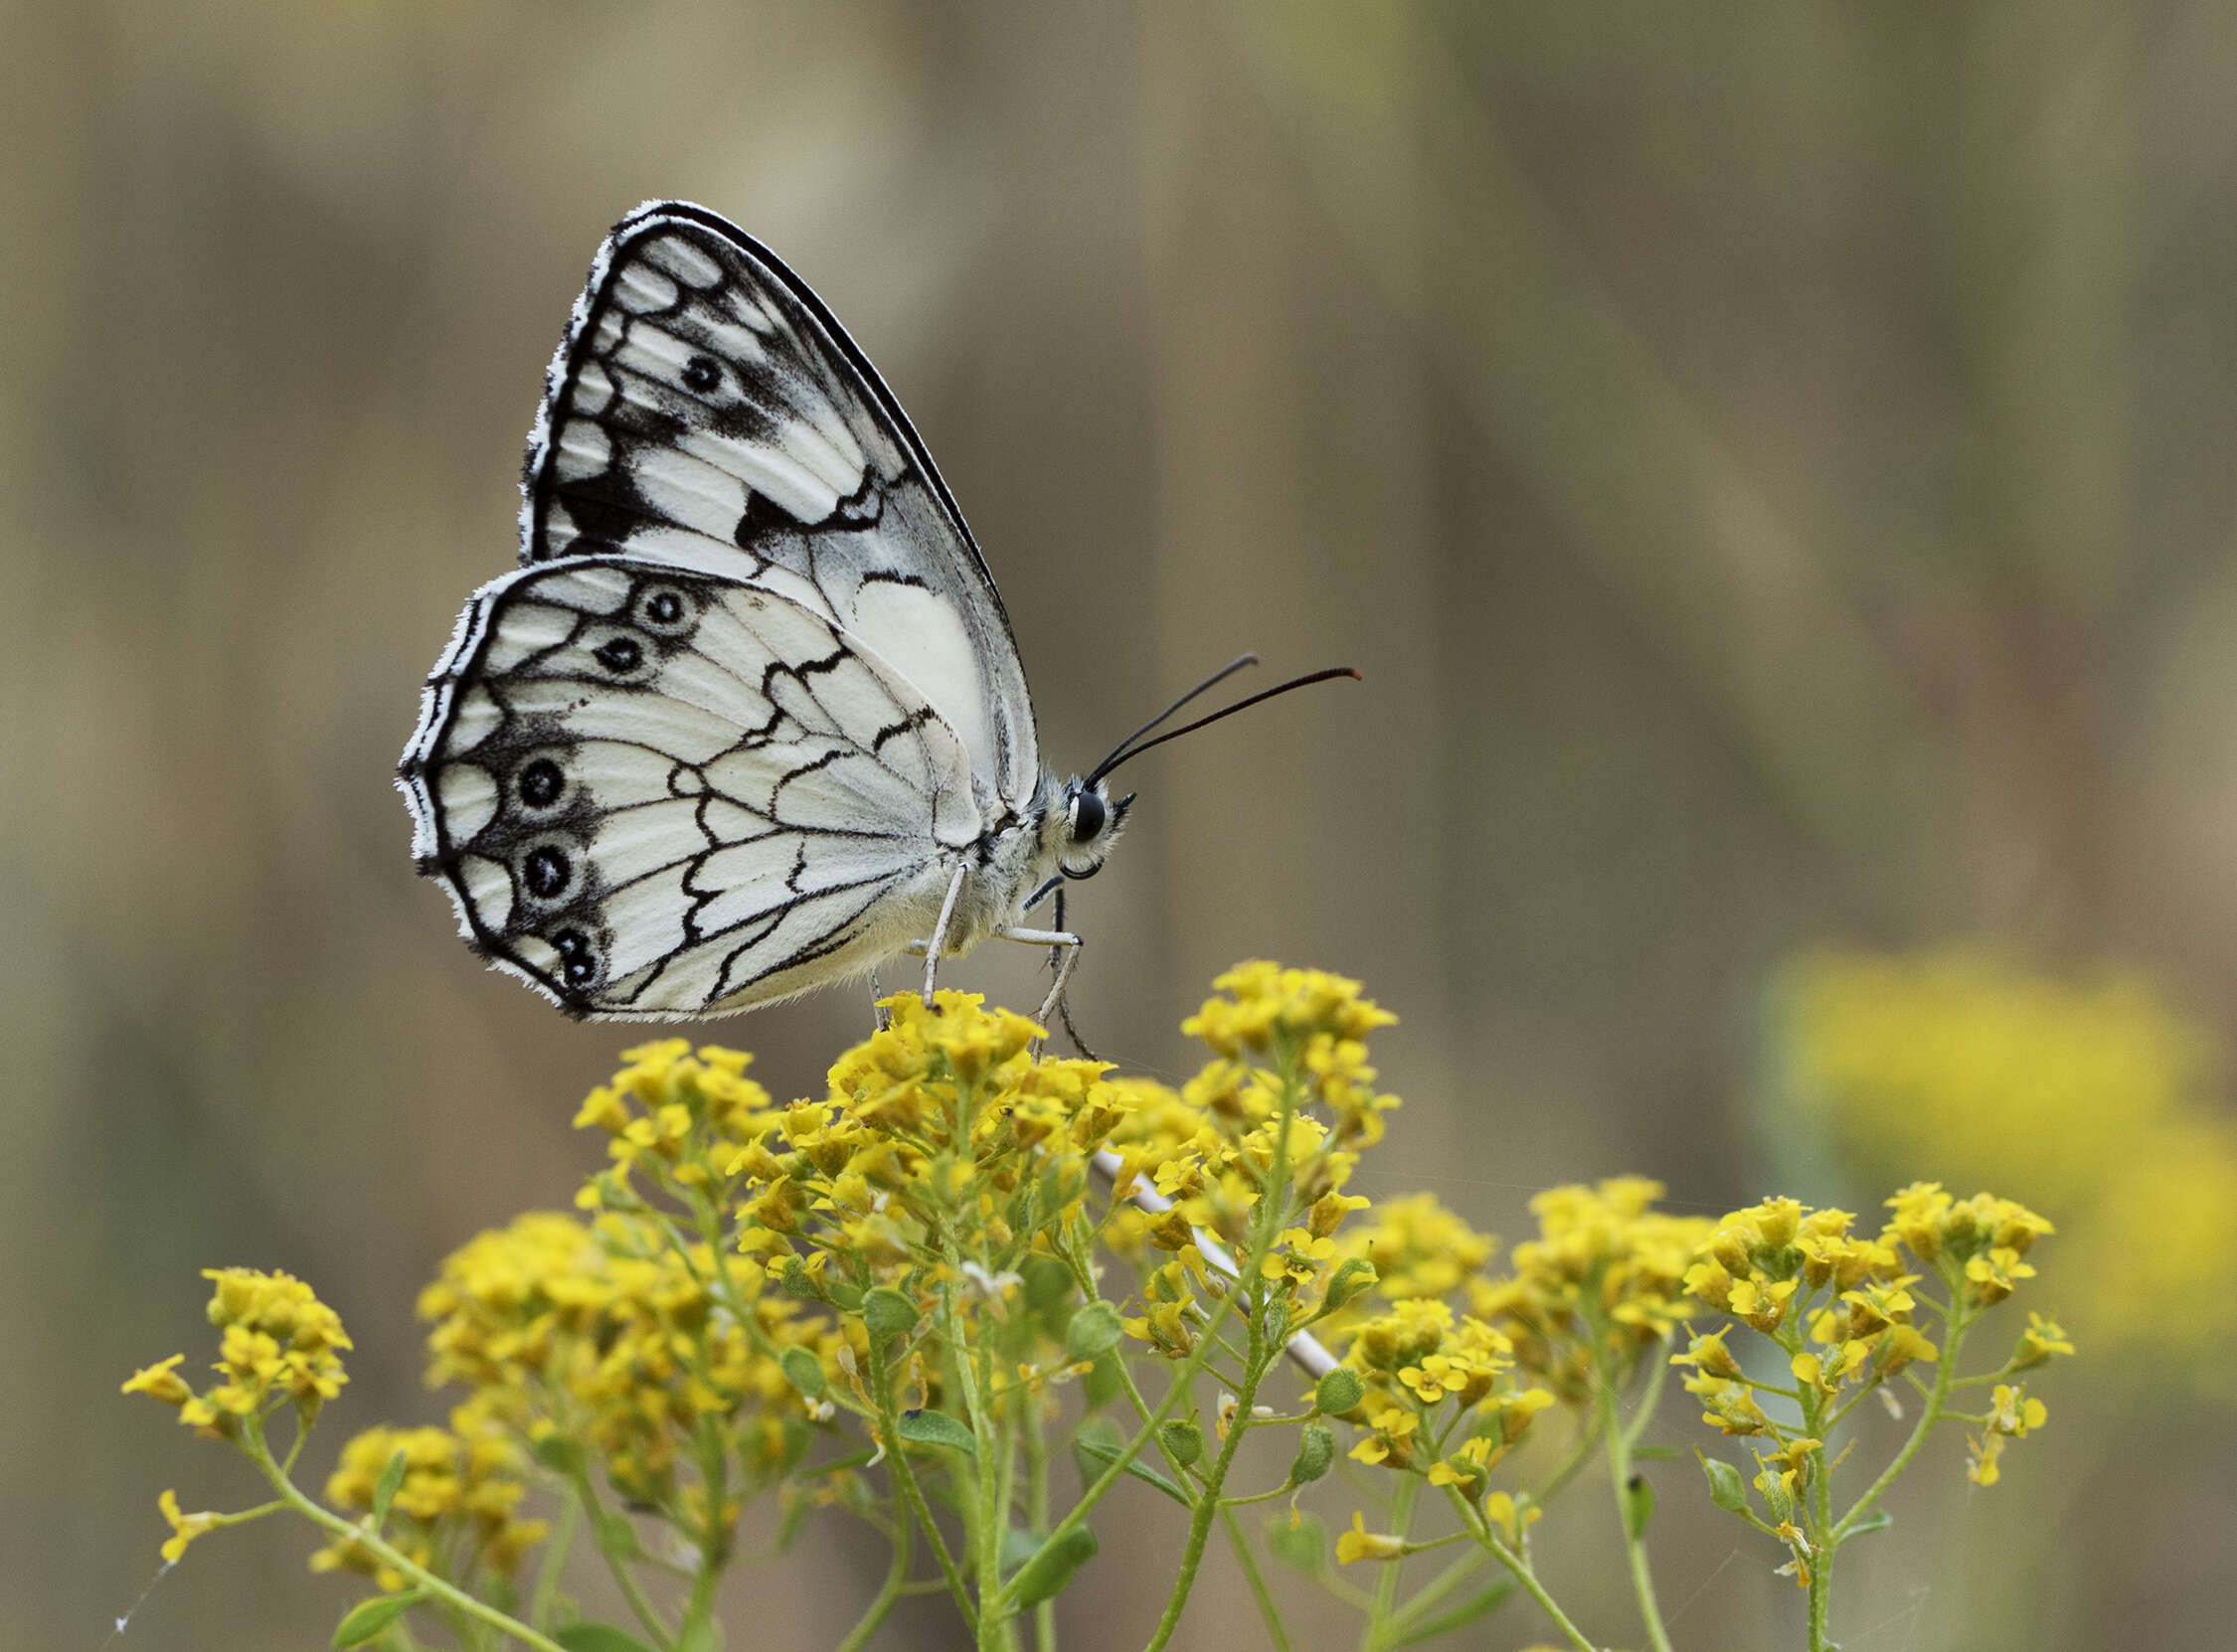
(1088, 815)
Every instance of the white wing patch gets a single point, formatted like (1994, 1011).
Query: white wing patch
(706, 411)
(657, 793)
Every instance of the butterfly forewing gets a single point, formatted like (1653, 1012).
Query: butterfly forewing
(705, 410)
(655, 792)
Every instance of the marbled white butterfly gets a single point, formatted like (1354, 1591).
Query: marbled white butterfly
(749, 718)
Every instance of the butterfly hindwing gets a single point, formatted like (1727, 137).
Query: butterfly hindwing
(706, 411)
(654, 792)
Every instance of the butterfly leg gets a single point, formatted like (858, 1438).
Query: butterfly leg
(880, 1019)
(1065, 947)
(939, 929)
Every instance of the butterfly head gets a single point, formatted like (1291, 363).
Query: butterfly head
(1088, 826)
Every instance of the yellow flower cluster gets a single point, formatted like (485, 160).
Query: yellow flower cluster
(673, 1111)
(2094, 1095)
(1600, 1283)
(1319, 1020)
(1766, 1266)
(1210, 1147)
(607, 1335)
(277, 1342)
(454, 1508)
(1415, 1357)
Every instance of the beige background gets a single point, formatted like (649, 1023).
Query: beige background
(1771, 465)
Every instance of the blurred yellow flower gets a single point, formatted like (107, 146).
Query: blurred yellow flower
(2090, 1094)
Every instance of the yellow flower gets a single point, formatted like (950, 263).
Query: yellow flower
(160, 1382)
(1511, 1519)
(2042, 1339)
(1359, 1543)
(185, 1528)
(1990, 1280)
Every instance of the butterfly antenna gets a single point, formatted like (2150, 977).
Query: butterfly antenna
(1127, 752)
(1213, 681)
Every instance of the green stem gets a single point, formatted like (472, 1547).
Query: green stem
(1037, 1510)
(1937, 1396)
(624, 1578)
(553, 1561)
(1436, 1590)
(912, 1494)
(1620, 1441)
(714, 1537)
(1207, 1505)
(259, 1453)
(1523, 1572)
(1373, 1638)
(1250, 1287)
(1822, 1556)
(896, 1578)
(1275, 1634)
(1115, 1469)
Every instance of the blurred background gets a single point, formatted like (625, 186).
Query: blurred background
(1771, 465)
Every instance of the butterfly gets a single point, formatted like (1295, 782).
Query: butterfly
(749, 718)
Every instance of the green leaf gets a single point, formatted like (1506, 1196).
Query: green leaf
(1048, 1284)
(936, 1429)
(1298, 1540)
(1018, 1546)
(616, 1537)
(363, 1622)
(561, 1455)
(597, 1637)
(1638, 1504)
(888, 1312)
(1466, 1612)
(1726, 1489)
(1108, 1455)
(1339, 1391)
(1183, 1439)
(1879, 1520)
(1353, 1275)
(803, 1371)
(1047, 1574)
(392, 1479)
(1102, 1385)
(1092, 1333)
(1316, 1449)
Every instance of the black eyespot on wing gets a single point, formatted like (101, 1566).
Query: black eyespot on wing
(664, 610)
(619, 655)
(702, 374)
(540, 783)
(547, 871)
(578, 961)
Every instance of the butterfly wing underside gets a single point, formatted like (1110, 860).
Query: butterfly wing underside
(706, 411)
(655, 793)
